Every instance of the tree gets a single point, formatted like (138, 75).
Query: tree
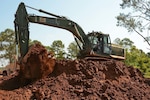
(58, 48)
(134, 56)
(73, 50)
(117, 41)
(33, 42)
(138, 19)
(7, 42)
(148, 54)
(125, 43)
(138, 59)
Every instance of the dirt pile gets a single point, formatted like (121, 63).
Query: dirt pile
(37, 63)
(79, 80)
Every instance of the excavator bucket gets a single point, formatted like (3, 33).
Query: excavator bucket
(37, 63)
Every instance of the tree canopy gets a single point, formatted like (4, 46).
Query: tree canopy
(58, 48)
(136, 17)
(125, 42)
(73, 50)
(7, 43)
(135, 57)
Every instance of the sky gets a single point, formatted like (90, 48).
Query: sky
(91, 15)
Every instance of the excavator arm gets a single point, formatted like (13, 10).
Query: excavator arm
(22, 19)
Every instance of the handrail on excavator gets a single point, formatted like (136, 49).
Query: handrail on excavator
(45, 12)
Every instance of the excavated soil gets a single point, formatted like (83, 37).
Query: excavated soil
(37, 63)
(80, 80)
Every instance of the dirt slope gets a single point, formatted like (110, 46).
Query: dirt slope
(74, 80)
(81, 79)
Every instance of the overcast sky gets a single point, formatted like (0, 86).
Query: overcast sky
(91, 15)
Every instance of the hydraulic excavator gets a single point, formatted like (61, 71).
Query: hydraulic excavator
(94, 45)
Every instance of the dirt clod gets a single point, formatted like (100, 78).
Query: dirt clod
(37, 63)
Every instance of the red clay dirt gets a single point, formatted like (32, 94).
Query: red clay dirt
(80, 80)
(37, 63)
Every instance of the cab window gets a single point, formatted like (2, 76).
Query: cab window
(107, 44)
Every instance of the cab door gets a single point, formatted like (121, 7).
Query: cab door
(106, 45)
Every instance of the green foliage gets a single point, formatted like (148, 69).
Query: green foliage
(135, 57)
(58, 48)
(136, 17)
(73, 50)
(138, 59)
(148, 54)
(33, 42)
(7, 42)
(125, 43)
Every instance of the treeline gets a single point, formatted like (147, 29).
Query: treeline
(134, 57)
(8, 45)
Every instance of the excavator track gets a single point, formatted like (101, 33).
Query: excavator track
(97, 58)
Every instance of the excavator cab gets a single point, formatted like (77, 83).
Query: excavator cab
(103, 48)
(100, 42)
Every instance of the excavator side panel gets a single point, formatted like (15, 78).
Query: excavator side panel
(117, 52)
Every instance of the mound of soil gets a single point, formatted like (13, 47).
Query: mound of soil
(80, 79)
(74, 80)
(37, 63)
